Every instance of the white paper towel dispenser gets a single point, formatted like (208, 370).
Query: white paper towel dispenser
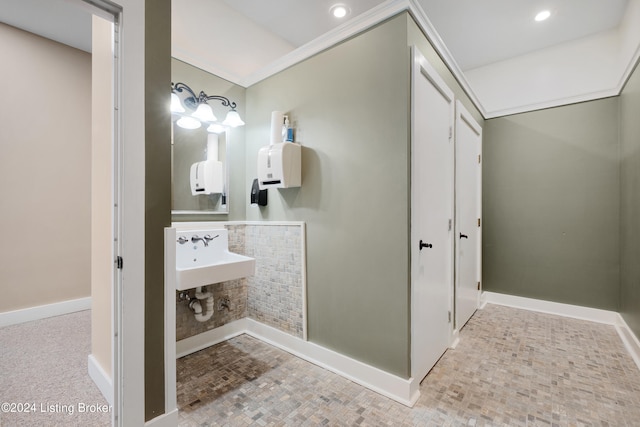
(206, 177)
(279, 166)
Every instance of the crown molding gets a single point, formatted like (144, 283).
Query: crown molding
(374, 17)
(349, 29)
(421, 18)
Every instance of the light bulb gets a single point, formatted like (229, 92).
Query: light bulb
(542, 15)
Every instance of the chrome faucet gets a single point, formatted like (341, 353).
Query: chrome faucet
(208, 238)
(195, 238)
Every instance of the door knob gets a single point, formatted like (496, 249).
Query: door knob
(425, 245)
(463, 236)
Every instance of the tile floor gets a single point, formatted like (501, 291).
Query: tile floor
(511, 368)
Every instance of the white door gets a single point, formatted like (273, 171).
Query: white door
(431, 216)
(468, 213)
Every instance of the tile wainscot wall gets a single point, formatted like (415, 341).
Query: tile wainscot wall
(273, 296)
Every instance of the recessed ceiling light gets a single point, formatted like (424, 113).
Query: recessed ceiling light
(543, 15)
(339, 10)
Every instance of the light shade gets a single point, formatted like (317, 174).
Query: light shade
(187, 122)
(204, 113)
(233, 119)
(176, 105)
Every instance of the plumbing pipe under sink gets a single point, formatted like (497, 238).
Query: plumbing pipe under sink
(196, 305)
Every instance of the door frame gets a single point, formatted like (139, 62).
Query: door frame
(128, 215)
(420, 66)
(462, 114)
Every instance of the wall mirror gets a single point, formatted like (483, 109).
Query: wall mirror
(206, 121)
(190, 147)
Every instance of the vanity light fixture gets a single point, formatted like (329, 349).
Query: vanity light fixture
(543, 15)
(200, 110)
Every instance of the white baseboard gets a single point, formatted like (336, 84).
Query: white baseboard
(211, 337)
(101, 379)
(401, 390)
(43, 311)
(630, 341)
(384, 383)
(169, 419)
(567, 310)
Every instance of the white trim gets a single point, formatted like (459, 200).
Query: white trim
(567, 310)
(384, 383)
(455, 339)
(170, 382)
(101, 379)
(212, 224)
(401, 390)
(349, 29)
(551, 103)
(629, 339)
(303, 278)
(420, 17)
(169, 419)
(211, 337)
(44, 311)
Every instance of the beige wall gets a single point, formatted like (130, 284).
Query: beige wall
(45, 171)
(101, 192)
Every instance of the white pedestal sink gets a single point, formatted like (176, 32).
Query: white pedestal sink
(203, 258)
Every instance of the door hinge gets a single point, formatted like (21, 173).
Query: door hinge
(450, 132)
(119, 263)
(450, 224)
(478, 285)
(479, 222)
(479, 158)
(449, 317)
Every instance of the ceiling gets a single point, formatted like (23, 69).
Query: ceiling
(236, 39)
(59, 20)
(475, 32)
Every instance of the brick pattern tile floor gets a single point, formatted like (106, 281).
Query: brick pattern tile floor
(511, 368)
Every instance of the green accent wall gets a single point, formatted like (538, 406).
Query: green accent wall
(551, 204)
(630, 202)
(349, 106)
(157, 194)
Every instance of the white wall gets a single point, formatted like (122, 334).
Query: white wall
(585, 69)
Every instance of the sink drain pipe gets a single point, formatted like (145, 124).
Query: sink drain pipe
(196, 305)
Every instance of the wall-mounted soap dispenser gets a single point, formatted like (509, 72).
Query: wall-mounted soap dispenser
(206, 177)
(279, 166)
(258, 196)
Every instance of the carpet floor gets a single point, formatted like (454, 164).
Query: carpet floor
(43, 374)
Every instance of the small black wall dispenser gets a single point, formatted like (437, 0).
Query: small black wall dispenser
(258, 196)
